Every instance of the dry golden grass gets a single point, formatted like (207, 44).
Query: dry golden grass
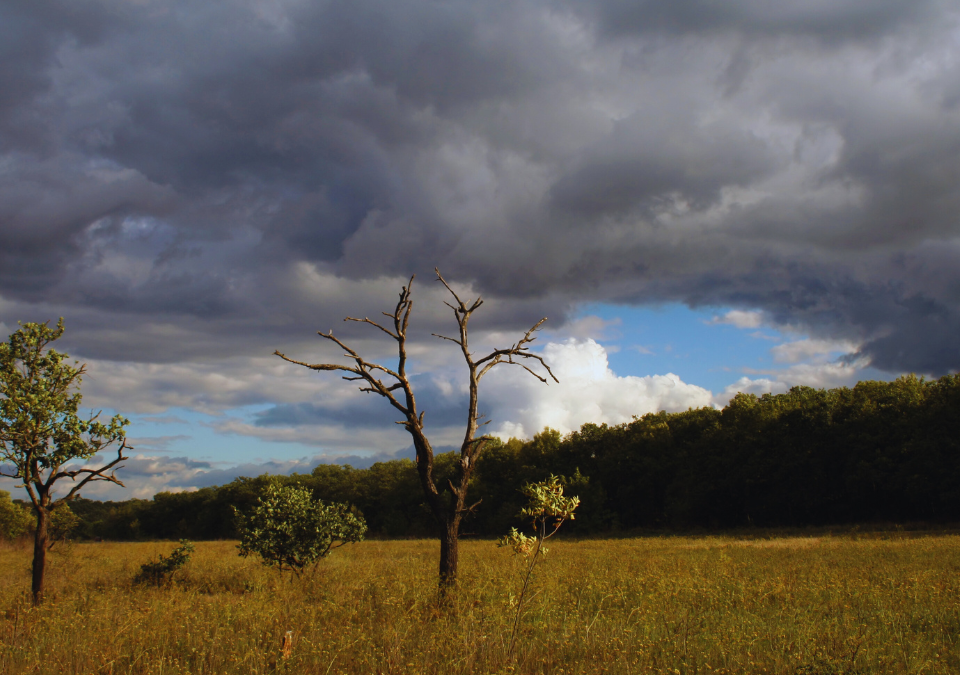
(824, 605)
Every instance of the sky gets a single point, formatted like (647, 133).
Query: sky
(701, 197)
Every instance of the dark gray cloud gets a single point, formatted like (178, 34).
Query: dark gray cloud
(179, 178)
(826, 21)
(656, 156)
(30, 35)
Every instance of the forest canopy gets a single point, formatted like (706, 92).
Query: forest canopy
(877, 452)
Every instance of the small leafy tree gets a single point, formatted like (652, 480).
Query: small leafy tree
(41, 430)
(158, 571)
(289, 528)
(547, 510)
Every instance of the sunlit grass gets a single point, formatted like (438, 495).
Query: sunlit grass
(653, 605)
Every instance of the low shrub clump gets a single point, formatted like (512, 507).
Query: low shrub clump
(290, 529)
(158, 571)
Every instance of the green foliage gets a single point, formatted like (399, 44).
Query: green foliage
(288, 528)
(160, 570)
(64, 523)
(40, 427)
(879, 451)
(388, 494)
(547, 509)
(41, 430)
(15, 521)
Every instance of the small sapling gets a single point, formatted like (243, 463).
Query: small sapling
(547, 510)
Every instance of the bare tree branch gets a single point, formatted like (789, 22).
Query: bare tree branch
(444, 337)
(472, 508)
(374, 323)
(449, 511)
(511, 362)
(317, 366)
(98, 474)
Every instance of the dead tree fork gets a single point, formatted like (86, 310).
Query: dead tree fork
(447, 500)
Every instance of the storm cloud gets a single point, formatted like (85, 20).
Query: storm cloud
(194, 182)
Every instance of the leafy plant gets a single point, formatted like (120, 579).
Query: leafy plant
(289, 528)
(156, 572)
(42, 432)
(547, 510)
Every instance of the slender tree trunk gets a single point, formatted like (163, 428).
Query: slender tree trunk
(40, 555)
(449, 556)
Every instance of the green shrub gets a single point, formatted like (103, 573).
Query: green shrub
(288, 528)
(157, 572)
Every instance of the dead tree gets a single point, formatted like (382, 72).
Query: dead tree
(447, 500)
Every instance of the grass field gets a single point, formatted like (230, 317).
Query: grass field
(824, 605)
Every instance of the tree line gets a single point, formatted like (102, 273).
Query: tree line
(876, 452)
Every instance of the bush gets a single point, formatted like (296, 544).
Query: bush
(159, 571)
(288, 528)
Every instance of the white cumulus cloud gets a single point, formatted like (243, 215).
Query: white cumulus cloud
(801, 350)
(588, 392)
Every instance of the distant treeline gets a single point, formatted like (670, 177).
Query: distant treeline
(881, 451)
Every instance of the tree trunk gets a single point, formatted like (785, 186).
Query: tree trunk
(39, 555)
(449, 556)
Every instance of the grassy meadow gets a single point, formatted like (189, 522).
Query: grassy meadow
(804, 605)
